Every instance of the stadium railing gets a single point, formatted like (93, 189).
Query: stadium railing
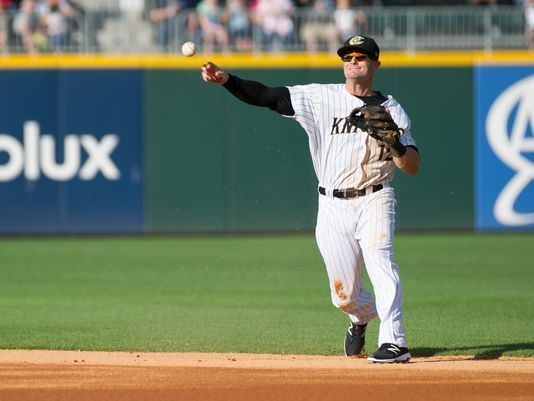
(110, 29)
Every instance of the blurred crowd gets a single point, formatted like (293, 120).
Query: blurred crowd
(230, 24)
(222, 25)
(324, 24)
(38, 25)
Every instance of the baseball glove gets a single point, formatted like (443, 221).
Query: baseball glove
(377, 122)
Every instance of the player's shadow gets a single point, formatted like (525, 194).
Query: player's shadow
(493, 351)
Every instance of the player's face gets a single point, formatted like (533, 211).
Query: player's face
(357, 66)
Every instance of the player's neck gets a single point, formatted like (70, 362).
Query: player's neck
(359, 88)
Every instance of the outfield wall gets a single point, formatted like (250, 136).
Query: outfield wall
(131, 144)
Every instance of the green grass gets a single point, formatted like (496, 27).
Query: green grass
(463, 294)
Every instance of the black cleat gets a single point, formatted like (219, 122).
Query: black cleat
(355, 339)
(390, 353)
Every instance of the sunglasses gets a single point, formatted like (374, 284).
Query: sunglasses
(347, 58)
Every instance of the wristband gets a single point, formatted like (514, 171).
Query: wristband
(231, 83)
(398, 149)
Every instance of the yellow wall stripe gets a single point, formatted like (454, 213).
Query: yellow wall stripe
(293, 60)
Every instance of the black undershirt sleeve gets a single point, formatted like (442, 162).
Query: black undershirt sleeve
(255, 93)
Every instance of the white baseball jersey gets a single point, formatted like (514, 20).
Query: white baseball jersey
(357, 231)
(344, 156)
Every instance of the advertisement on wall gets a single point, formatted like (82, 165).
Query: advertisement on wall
(70, 152)
(504, 176)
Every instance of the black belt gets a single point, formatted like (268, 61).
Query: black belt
(350, 192)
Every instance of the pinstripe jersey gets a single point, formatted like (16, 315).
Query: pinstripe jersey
(342, 155)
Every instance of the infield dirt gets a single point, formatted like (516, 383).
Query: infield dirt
(118, 376)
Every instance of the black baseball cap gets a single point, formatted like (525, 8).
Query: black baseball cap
(360, 44)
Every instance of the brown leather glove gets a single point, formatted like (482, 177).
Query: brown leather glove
(377, 122)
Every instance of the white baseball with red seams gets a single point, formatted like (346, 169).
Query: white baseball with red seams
(350, 231)
(188, 49)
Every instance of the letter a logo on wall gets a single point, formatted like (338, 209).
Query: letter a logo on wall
(37, 154)
(511, 143)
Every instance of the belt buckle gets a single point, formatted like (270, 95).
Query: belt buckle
(350, 193)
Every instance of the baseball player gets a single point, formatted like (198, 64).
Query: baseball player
(357, 136)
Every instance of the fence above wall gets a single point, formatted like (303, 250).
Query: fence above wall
(134, 26)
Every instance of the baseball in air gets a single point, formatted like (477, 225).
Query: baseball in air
(188, 49)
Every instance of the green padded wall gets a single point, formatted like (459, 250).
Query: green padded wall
(440, 104)
(215, 164)
(184, 154)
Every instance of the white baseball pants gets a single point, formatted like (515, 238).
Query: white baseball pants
(357, 231)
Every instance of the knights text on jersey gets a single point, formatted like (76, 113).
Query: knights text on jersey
(343, 156)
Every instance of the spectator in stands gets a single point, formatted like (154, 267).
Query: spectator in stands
(54, 16)
(211, 19)
(318, 27)
(348, 21)
(239, 24)
(529, 23)
(27, 28)
(164, 15)
(276, 26)
(191, 30)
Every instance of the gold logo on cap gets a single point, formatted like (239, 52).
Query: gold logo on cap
(356, 40)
